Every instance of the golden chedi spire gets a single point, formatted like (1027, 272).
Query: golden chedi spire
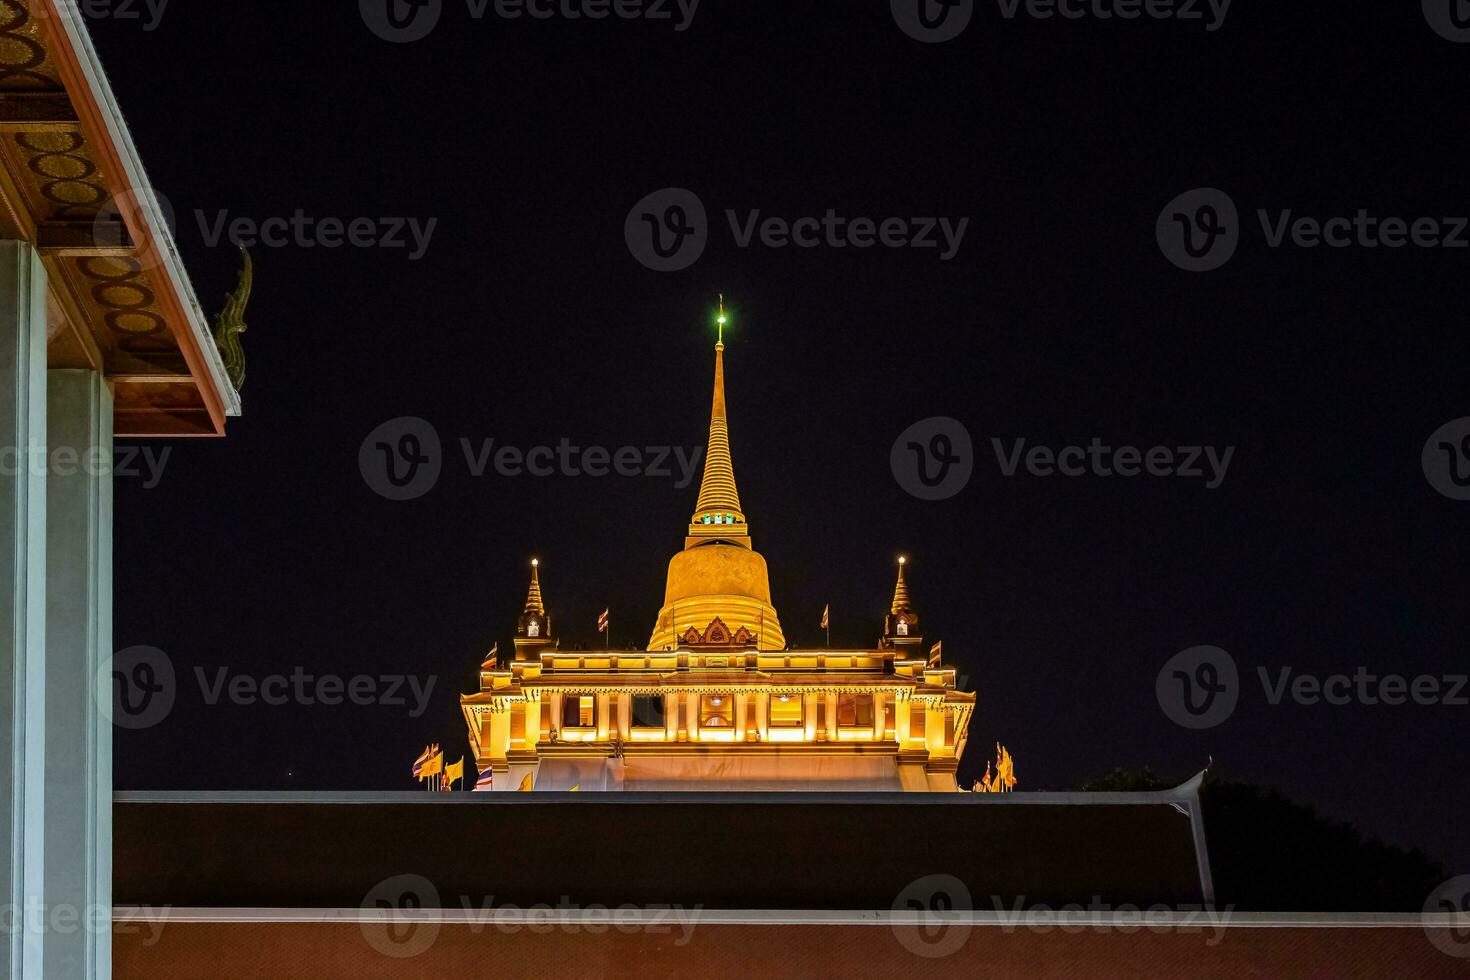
(901, 625)
(901, 591)
(718, 575)
(534, 605)
(533, 628)
(719, 499)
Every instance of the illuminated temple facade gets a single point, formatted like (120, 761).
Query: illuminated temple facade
(717, 701)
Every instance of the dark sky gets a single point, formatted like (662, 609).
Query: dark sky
(528, 321)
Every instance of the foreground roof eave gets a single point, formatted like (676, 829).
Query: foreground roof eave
(91, 94)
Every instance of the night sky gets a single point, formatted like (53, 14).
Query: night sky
(528, 320)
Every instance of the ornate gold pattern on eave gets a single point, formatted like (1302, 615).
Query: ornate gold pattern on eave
(59, 194)
(25, 65)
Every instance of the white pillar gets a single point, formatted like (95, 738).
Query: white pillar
(878, 726)
(625, 715)
(23, 597)
(78, 642)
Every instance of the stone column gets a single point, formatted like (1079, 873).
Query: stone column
(604, 715)
(554, 723)
(671, 717)
(692, 701)
(809, 703)
(831, 720)
(762, 714)
(625, 715)
(23, 601)
(532, 711)
(903, 710)
(740, 699)
(878, 727)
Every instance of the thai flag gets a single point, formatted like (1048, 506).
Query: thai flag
(602, 620)
(485, 782)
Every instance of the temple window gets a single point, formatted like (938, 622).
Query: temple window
(579, 711)
(855, 710)
(716, 711)
(786, 711)
(648, 711)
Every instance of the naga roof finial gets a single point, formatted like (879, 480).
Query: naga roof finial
(230, 323)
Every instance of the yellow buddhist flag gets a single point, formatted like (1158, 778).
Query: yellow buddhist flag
(435, 763)
(525, 786)
(575, 789)
(453, 773)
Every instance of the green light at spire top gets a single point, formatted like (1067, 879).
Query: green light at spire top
(721, 320)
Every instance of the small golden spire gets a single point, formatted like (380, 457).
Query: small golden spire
(719, 500)
(901, 590)
(533, 597)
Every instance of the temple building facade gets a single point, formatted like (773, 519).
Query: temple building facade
(718, 701)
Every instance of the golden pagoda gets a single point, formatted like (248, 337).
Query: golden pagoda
(717, 701)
